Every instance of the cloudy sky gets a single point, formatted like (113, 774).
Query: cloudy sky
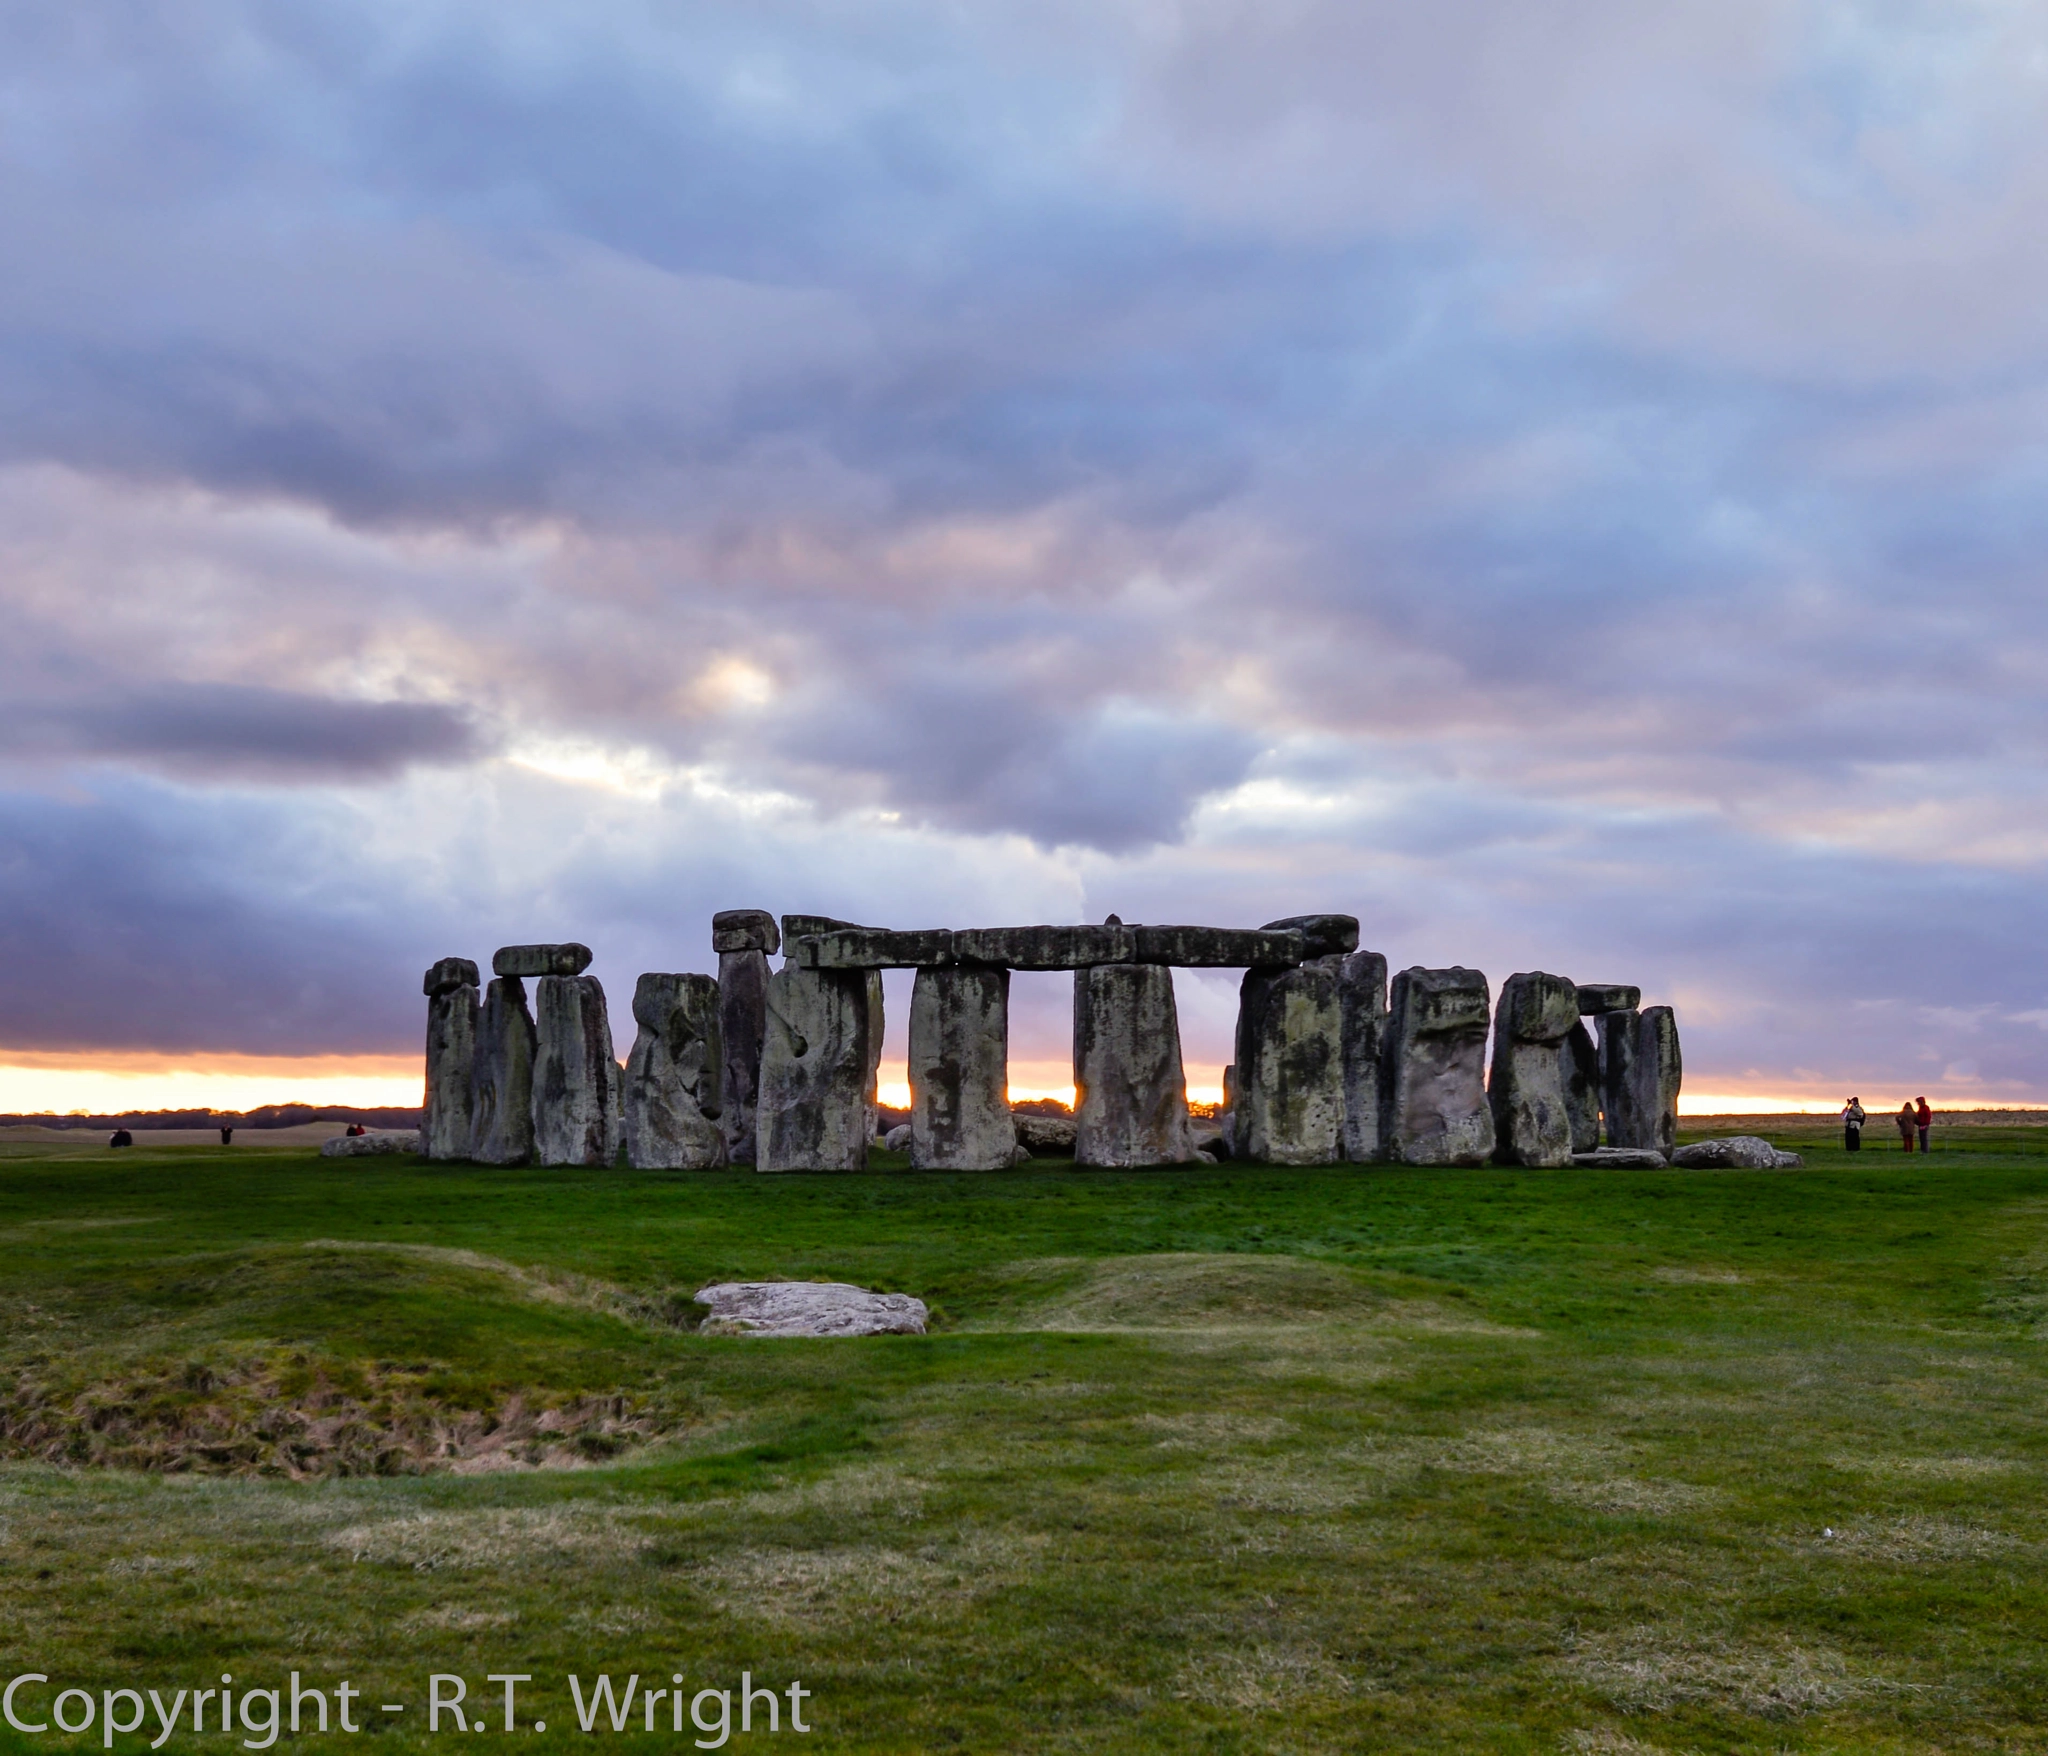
(1562, 483)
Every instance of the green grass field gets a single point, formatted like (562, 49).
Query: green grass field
(1219, 1460)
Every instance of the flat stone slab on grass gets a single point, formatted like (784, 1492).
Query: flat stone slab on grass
(1740, 1152)
(373, 1144)
(807, 1307)
(1620, 1158)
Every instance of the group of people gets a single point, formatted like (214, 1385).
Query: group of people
(1913, 1118)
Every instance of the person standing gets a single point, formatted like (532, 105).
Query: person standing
(1852, 1125)
(1924, 1117)
(1908, 1120)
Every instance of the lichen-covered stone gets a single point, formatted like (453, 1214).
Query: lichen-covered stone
(1322, 935)
(1219, 947)
(1045, 1136)
(449, 974)
(1290, 1065)
(1743, 1152)
(874, 948)
(1362, 1001)
(1656, 1072)
(959, 1070)
(1578, 1067)
(1131, 1094)
(541, 960)
(742, 1021)
(575, 1075)
(807, 1308)
(1620, 1158)
(451, 1067)
(1532, 1121)
(501, 1077)
(673, 1091)
(1598, 997)
(1434, 1104)
(1618, 1122)
(1046, 947)
(816, 1109)
(378, 1143)
(744, 929)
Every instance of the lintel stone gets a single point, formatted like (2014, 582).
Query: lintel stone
(541, 960)
(744, 929)
(1324, 935)
(1598, 997)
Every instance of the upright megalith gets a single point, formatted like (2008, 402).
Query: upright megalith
(1532, 1121)
(1617, 1038)
(1130, 1092)
(1578, 1067)
(959, 1070)
(1362, 1003)
(575, 1077)
(501, 1077)
(1655, 1076)
(1433, 1069)
(451, 1057)
(673, 1083)
(816, 1073)
(1290, 1053)
(744, 939)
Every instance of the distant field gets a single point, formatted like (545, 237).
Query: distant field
(1222, 1459)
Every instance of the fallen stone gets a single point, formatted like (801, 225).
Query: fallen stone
(451, 1067)
(541, 960)
(744, 929)
(1532, 1122)
(1130, 1092)
(816, 1070)
(1362, 1002)
(672, 1090)
(1578, 1067)
(448, 975)
(501, 1077)
(1322, 935)
(1620, 1158)
(742, 1020)
(958, 1066)
(1597, 997)
(1738, 1152)
(1213, 1152)
(807, 1308)
(379, 1143)
(1434, 1096)
(1290, 1065)
(898, 1138)
(1046, 1136)
(575, 1075)
(1217, 947)
(1212, 1137)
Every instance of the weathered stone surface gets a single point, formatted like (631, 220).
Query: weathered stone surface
(379, 1143)
(501, 1077)
(1532, 1123)
(1046, 1136)
(451, 1065)
(795, 927)
(1212, 1137)
(1578, 1067)
(898, 1138)
(1657, 1071)
(742, 1020)
(959, 1066)
(1434, 1105)
(673, 1083)
(575, 1076)
(1598, 997)
(874, 948)
(1362, 1001)
(541, 960)
(807, 1308)
(1743, 1152)
(744, 929)
(1131, 1095)
(1620, 1158)
(877, 1026)
(1290, 1065)
(1322, 935)
(1046, 947)
(1618, 1125)
(816, 1071)
(1217, 947)
(448, 975)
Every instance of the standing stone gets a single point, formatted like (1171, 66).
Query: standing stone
(743, 938)
(575, 1077)
(959, 1071)
(1362, 1000)
(673, 1082)
(451, 1058)
(1617, 1031)
(1654, 1080)
(1290, 1064)
(501, 1078)
(815, 1080)
(1433, 1070)
(877, 1025)
(1578, 1066)
(1532, 1121)
(1130, 1093)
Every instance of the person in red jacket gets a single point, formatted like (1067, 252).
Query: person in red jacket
(1924, 1117)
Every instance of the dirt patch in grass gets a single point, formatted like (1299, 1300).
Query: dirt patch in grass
(1262, 1679)
(289, 1416)
(1644, 1670)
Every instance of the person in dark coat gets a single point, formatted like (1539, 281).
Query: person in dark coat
(1852, 1125)
(122, 1138)
(227, 1137)
(1907, 1120)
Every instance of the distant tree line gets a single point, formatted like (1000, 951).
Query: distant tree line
(267, 1116)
